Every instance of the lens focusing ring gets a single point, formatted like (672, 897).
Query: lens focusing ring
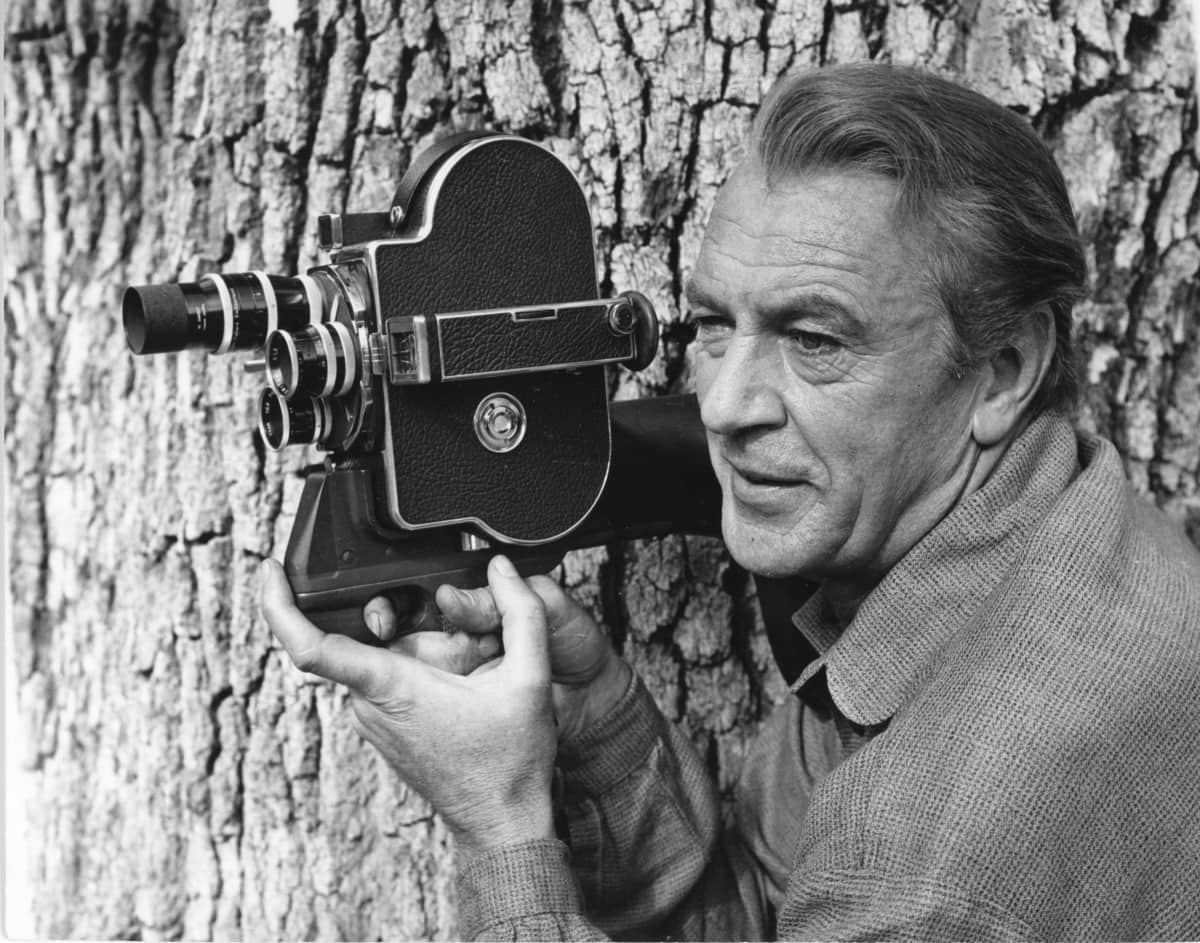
(320, 360)
(299, 421)
(283, 363)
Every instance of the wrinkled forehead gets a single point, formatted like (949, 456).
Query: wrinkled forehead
(752, 183)
(843, 211)
(840, 209)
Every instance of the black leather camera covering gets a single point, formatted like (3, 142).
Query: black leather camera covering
(507, 226)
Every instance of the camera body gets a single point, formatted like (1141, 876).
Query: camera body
(450, 359)
(473, 306)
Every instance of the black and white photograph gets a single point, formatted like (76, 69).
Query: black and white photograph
(601, 469)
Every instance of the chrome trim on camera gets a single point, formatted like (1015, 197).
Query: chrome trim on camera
(268, 291)
(226, 310)
(407, 344)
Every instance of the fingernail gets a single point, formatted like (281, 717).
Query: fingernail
(504, 566)
(375, 624)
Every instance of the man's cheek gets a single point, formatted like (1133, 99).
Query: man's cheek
(704, 369)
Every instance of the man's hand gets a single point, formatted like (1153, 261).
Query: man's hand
(480, 746)
(589, 677)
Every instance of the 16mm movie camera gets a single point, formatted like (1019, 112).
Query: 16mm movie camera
(450, 360)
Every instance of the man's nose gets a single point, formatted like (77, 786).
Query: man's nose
(739, 390)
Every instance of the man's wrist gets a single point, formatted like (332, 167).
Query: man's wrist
(512, 827)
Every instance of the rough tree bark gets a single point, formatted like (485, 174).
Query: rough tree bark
(187, 781)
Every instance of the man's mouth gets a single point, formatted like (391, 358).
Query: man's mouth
(761, 475)
(759, 486)
(767, 478)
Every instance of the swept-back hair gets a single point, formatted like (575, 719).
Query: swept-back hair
(975, 185)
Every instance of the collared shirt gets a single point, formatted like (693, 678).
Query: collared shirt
(1003, 744)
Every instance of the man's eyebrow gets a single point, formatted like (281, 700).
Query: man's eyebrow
(819, 307)
(809, 304)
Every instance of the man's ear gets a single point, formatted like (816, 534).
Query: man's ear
(1012, 378)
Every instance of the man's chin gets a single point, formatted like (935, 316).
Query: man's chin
(764, 553)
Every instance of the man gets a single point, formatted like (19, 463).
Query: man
(1000, 736)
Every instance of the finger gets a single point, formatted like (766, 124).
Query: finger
(380, 617)
(577, 641)
(523, 617)
(472, 610)
(459, 653)
(335, 657)
(560, 607)
(566, 618)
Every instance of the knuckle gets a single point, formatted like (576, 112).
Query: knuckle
(377, 689)
(485, 603)
(463, 659)
(391, 690)
(487, 647)
(436, 650)
(308, 660)
(531, 608)
(462, 655)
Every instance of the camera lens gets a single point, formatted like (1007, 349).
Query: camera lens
(292, 422)
(219, 313)
(321, 360)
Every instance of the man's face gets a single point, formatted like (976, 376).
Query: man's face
(835, 428)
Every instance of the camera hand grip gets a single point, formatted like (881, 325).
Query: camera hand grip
(340, 556)
(411, 591)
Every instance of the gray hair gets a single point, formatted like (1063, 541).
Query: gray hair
(972, 177)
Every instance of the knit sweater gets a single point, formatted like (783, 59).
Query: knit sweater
(1003, 744)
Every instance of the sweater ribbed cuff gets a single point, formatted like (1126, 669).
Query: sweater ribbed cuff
(614, 746)
(516, 881)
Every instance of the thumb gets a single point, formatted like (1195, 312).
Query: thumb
(522, 620)
(338, 658)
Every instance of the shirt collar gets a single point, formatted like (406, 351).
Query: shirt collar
(882, 658)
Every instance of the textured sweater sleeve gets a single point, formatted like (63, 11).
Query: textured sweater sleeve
(646, 858)
(522, 892)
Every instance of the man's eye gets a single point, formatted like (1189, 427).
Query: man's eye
(813, 343)
(710, 327)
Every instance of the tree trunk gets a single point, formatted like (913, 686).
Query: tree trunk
(188, 781)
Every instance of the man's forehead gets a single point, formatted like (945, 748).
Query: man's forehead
(837, 216)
